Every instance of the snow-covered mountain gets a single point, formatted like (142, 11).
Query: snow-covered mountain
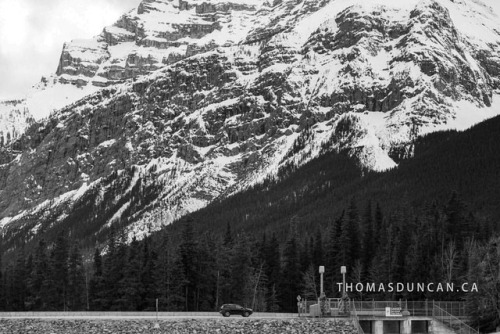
(195, 100)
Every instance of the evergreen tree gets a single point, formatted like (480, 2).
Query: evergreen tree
(349, 238)
(28, 305)
(48, 290)
(148, 295)
(318, 252)
(114, 265)
(38, 276)
(457, 228)
(262, 249)
(169, 280)
(378, 223)
(59, 272)
(223, 283)
(176, 283)
(333, 256)
(290, 285)
(381, 269)
(241, 271)
(400, 249)
(130, 284)
(368, 240)
(418, 258)
(305, 256)
(207, 267)
(160, 265)
(228, 237)
(8, 276)
(17, 285)
(76, 281)
(188, 254)
(96, 285)
(272, 270)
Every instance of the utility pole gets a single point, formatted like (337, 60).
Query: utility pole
(321, 272)
(343, 271)
(344, 299)
(322, 296)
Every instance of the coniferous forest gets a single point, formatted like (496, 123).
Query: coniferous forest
(432, 219)
(199, 272)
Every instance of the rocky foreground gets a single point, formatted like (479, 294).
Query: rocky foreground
(219, 326)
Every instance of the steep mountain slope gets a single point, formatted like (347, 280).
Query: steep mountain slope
(243, 90)
(315, 194)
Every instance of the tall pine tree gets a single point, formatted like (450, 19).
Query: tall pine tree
(77, 289)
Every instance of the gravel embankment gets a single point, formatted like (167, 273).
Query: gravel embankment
(198, 326)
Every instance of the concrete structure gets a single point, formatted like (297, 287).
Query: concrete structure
(402, 325)
(401, 317)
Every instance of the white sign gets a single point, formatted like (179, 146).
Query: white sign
(393, 312)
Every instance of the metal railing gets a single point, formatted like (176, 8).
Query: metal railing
(376, 308)
(452, 321)
(415, 308)
(456, 309)
(355, 319)
(332, 303)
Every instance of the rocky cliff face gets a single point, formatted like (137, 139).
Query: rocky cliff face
(157, 33)
(237, 92)
(14, 119)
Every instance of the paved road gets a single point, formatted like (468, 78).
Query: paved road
(164, 316)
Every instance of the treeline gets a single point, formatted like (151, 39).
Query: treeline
(467, 162)
(86, 218)
(199, 272)
(52, 278)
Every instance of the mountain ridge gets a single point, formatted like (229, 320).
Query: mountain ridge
(313, 195)
(226, 116)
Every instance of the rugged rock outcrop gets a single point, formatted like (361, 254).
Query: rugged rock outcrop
(159, 30)
(14, 119)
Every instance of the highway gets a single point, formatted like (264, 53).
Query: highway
(163, 316)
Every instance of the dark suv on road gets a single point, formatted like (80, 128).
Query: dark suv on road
(229, 309)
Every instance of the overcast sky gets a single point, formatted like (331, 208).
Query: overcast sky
(32, 33)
